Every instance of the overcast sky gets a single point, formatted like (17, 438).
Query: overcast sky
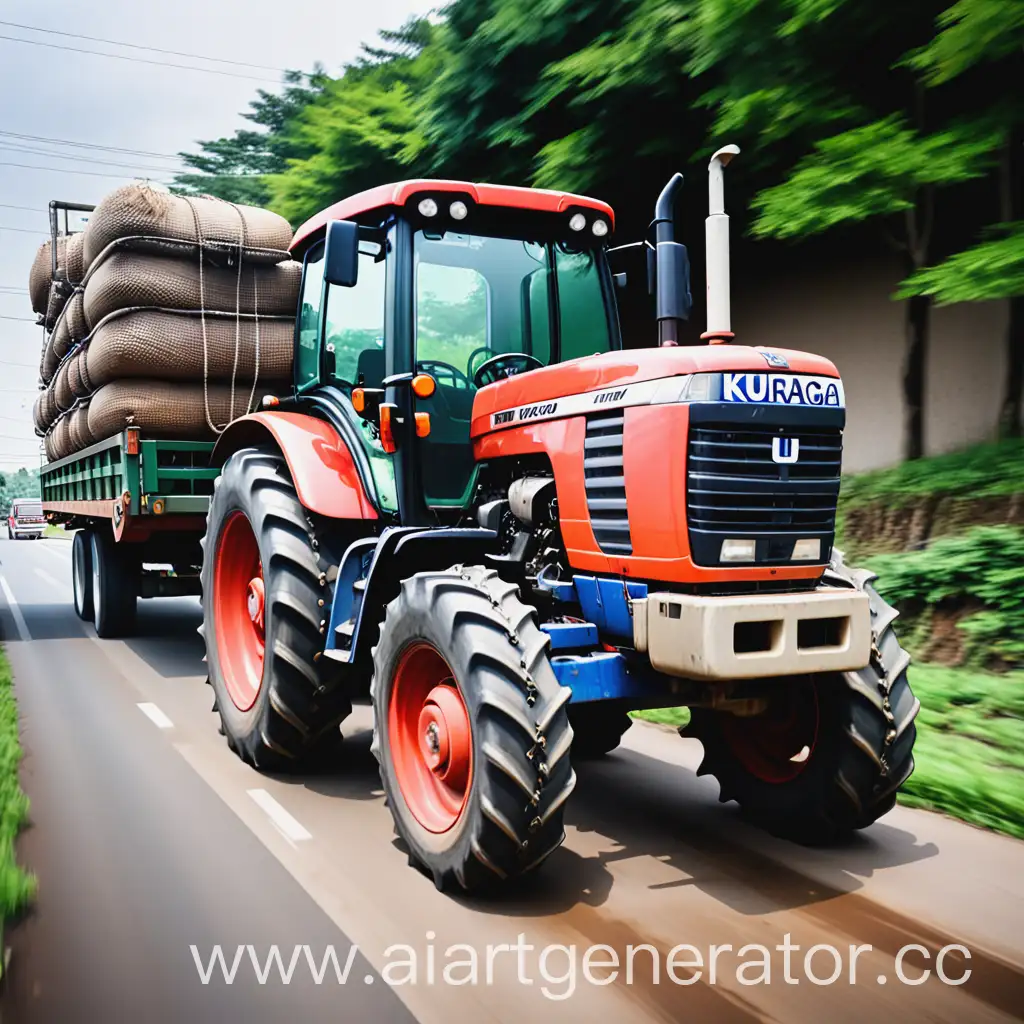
(79, 97)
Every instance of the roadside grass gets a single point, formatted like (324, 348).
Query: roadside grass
(57, 531)
(969, 752)
(16, 886)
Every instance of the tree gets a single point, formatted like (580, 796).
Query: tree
(986, 38)
(362, 130)
(236, 167)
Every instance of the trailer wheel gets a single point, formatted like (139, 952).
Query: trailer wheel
(263, 603)
(115, 585)
(81, 574)
(831, 752)
(597, 728)
(470, 729)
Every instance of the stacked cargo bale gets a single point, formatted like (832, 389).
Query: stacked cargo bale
(184, 317)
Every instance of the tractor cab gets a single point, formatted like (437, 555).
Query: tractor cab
(417, 295)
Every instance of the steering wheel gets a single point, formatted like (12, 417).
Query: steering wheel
(482, 351)
(438, 369)
(508, 364)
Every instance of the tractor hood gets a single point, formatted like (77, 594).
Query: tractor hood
(731, 373)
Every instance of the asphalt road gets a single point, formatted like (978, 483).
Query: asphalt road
(153, 844)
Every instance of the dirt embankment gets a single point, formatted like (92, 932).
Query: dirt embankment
(877, 526)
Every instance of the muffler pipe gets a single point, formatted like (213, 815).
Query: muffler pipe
(717, 251)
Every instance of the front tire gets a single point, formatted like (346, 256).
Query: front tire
(831, 754)
(81, 574)
(115, 586)
(470, 729)
(263, 602)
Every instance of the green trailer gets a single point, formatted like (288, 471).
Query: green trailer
(138, 507)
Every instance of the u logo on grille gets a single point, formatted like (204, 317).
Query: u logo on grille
(785, 449)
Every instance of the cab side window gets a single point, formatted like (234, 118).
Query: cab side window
(307, 351)
(354, 322)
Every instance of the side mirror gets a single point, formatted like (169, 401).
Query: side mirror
(341, 253)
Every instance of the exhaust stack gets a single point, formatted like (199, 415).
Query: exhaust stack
(717, 251)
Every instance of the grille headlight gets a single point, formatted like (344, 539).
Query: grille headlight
(807, 550)
(738, 550)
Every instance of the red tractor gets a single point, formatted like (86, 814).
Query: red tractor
(479, 508)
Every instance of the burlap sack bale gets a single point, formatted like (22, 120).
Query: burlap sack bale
(169, 346)
(78, 328)
(141, 211)
(78, 428)
(125, 280)
(40, 275)
(62, 387)
(76, 382)
(50, 361)
(48, 444)
(60, 439)
(48, 407)
(39, 420)
(55, 305)
(162, 410)
(74, 255)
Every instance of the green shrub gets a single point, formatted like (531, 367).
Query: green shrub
(980, 573)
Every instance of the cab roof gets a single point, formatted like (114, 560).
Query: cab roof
(385, 197)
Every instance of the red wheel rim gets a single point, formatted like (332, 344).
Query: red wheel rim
(430, 738)
(238, 610)
(778, 745)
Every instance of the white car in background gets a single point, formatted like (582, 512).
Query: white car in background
(25, 519)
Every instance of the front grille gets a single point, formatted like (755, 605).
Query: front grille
(734, 488)
(606, 483)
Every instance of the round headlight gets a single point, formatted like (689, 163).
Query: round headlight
(427, 207)
(458, 210)
(577, 222)
(600, 228)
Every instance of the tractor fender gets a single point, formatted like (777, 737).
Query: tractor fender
(321, 466)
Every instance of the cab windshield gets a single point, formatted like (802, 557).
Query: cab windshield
(478, 297)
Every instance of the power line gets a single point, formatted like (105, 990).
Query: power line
(27, 231)
(12, 206)
(87, 145)
(73, 170)
(139, 60)
(15, 148)
(137, 46)
(23, 319)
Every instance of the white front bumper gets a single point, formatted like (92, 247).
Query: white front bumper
(751, 636)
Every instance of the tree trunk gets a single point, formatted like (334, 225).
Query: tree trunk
(1011, 173)
(918, 316)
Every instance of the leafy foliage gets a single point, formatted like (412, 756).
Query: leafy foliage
(984, 567)
(21, 484)
(992, 269)
(983, 471)
(972, 32)
(16, 887)
(870, 171)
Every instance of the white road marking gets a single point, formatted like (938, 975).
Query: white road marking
(50, 580)
(19, 619)
(279, 817)
(155, 715)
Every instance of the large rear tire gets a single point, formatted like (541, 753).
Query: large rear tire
(264, 601)
(470, 729)
(829, 755)
(81, 574)
(115, 585)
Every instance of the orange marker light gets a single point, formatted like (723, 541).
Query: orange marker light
(387, 437)
(422, 424)
(358, 399)
(131, 441)
(423, 385)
